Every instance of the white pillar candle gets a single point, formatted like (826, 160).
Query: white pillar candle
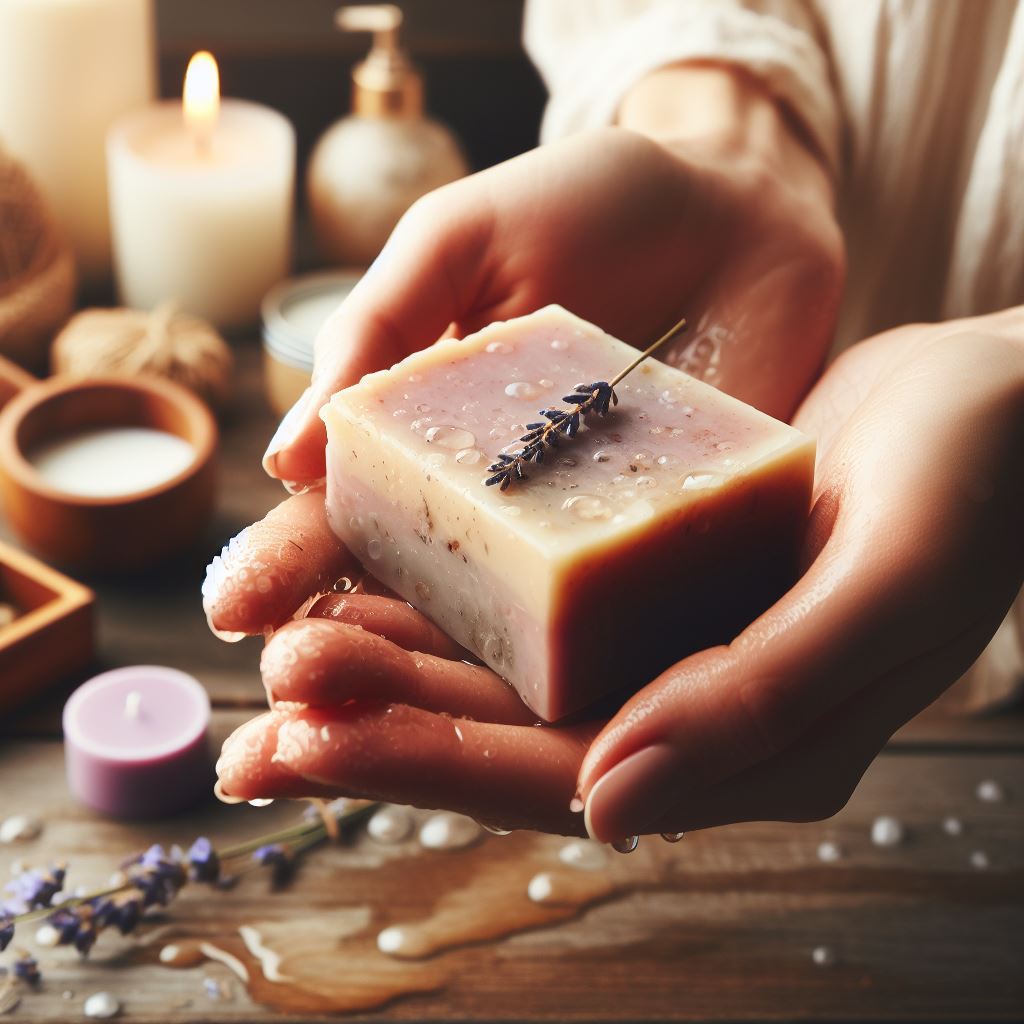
(68, 70)
(201, 201)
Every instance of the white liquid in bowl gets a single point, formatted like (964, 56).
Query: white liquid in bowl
(112, 461)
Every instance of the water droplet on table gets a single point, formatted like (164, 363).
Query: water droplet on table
(823, 956)
(102, 1005)
(990, 792)
(952, 826)
(448, 831)
(583, 854)
(829, 852)
(390, 825)
(887, 831)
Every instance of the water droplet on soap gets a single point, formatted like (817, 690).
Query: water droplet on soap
(374, 548)
(559, 344)
(545, 383)
(725, 446)
(422, 407)
(645, 481)
(414, 378)
(399, 413)
(601, 456)
(670, 396)
(668, 461)
(493, 649)
(627, 845)
(521, 389)
(495, 433)
(493, 829)
(260, 802)
(468, 456)
(498, 348)
(672, 837)
(420, 425)
(587, 506)
(436, 460)
(450, 437)
(692, 481)
(641, 460)
(511, 510)
(423, 590)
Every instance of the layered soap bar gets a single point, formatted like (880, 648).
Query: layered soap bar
(664, 527)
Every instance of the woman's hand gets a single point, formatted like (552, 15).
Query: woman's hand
(733, 228)
(913, 555)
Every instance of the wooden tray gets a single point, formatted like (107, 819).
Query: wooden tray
(52, 636)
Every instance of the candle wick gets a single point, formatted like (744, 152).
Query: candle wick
(133, 704)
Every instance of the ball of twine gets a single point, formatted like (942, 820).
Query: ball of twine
(167, 342)
(37, 274)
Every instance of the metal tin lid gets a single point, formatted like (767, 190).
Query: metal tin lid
(295, 310)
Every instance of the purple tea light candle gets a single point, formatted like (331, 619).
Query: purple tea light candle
(136, 742)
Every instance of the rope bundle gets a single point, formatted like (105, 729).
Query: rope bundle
(166, 342)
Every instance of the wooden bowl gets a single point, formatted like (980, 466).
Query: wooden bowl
(121, 533)
(51, 635)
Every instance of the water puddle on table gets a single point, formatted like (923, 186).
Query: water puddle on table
(422, 905)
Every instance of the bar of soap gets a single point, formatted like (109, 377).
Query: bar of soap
(660, 529)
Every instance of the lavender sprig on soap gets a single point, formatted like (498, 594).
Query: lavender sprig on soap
(595, 398)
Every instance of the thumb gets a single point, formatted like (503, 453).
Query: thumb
(425, 278)
(846, 622)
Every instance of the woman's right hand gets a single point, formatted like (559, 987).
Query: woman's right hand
(625, 231)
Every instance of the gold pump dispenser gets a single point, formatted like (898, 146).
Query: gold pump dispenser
(386, 83)
(368, 168)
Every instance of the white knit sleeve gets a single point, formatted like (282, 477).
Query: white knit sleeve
(591, 52)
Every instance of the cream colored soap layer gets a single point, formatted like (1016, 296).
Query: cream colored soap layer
(409, 449)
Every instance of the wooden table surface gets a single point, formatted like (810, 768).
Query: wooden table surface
(719, 927)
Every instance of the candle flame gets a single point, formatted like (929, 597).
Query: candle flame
(202, 98)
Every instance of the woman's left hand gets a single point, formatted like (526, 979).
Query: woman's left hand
(915, 550)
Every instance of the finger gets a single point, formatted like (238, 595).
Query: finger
(511, 776)
(264, 574)
(317, 662)
(425, 277)
(390, 618)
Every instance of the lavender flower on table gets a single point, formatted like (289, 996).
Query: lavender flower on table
(279, 859)
(26, 969)
(204, 864)
(34, 888)
(6, 932)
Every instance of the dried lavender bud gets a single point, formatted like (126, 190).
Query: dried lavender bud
(6, 932)
(66, 922)
(127, 915)
(204, 864)
(278, 859)
(36, 888)
(26, 969)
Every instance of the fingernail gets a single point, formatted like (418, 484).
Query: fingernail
(286, 432)
(630, 796)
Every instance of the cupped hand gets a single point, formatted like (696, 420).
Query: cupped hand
(621, 230)
(914, 553)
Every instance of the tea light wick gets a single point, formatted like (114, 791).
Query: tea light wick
(133, 704)
(201, 100)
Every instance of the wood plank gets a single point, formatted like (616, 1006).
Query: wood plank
(720, 927)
